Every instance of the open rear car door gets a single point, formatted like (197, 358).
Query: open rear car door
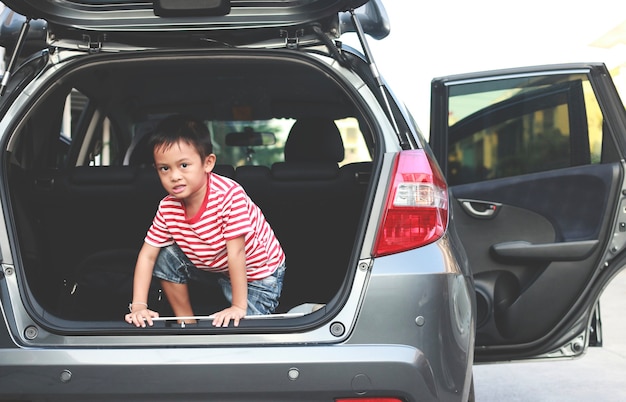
(534, 160)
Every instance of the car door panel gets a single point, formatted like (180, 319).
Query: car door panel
(536, 178)
(536, 238)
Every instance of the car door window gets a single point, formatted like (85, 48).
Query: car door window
(511, 127)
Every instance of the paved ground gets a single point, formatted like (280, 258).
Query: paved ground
(598, 376)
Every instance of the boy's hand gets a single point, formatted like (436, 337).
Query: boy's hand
(222, 318)
(140, 317)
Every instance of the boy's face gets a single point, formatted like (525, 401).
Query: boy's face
(182, 171)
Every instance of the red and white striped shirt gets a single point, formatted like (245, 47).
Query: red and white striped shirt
(227, 213)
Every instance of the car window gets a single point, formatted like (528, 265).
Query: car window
(354, 144)
(264, 154)
(104, 145)
(99, 142)
(517, 126)
(91, 136)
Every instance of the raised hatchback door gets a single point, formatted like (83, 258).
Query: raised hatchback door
(208, 23)
(537, 186)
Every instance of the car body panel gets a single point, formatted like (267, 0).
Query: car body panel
(344, 325)
(331, 371)
(64, 202)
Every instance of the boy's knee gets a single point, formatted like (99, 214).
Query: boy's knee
(171, 265)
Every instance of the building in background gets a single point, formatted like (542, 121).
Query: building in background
(614, 40)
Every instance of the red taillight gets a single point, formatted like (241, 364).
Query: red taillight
(416, 210)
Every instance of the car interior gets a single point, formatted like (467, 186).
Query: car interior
(83, 189)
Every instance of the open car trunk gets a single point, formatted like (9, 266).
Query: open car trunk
(84, 191)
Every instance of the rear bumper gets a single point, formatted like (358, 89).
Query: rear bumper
(307, 373)
(412, 339)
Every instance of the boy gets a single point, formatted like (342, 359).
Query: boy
(206, 223)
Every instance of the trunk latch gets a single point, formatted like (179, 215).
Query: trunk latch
(94, 46)
(291, 41)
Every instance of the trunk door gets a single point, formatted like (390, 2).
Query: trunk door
(167, 22)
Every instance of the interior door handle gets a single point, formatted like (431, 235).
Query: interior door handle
(481, 209)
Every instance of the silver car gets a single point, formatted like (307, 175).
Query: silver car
(407, 261)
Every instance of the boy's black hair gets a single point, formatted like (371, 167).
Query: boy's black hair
(185, 128)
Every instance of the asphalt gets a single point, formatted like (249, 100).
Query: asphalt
(599, 375)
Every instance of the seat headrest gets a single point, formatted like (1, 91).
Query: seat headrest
(314, 140)
(288, 171)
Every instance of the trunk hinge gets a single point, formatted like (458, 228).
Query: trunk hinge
(16, 52)
(94, 46)
(402, 138)
(291, 41)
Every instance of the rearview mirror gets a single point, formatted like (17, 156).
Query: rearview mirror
(250, 138)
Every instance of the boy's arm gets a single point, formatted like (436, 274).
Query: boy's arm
(239, 283)
(141, 286)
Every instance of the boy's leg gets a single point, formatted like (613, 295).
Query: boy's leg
(172, 267)
(178, 296)
(263, 294)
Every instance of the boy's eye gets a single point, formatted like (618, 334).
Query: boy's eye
(163, 168)
(184, 165)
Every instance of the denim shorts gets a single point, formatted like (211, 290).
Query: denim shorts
(172, 265)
